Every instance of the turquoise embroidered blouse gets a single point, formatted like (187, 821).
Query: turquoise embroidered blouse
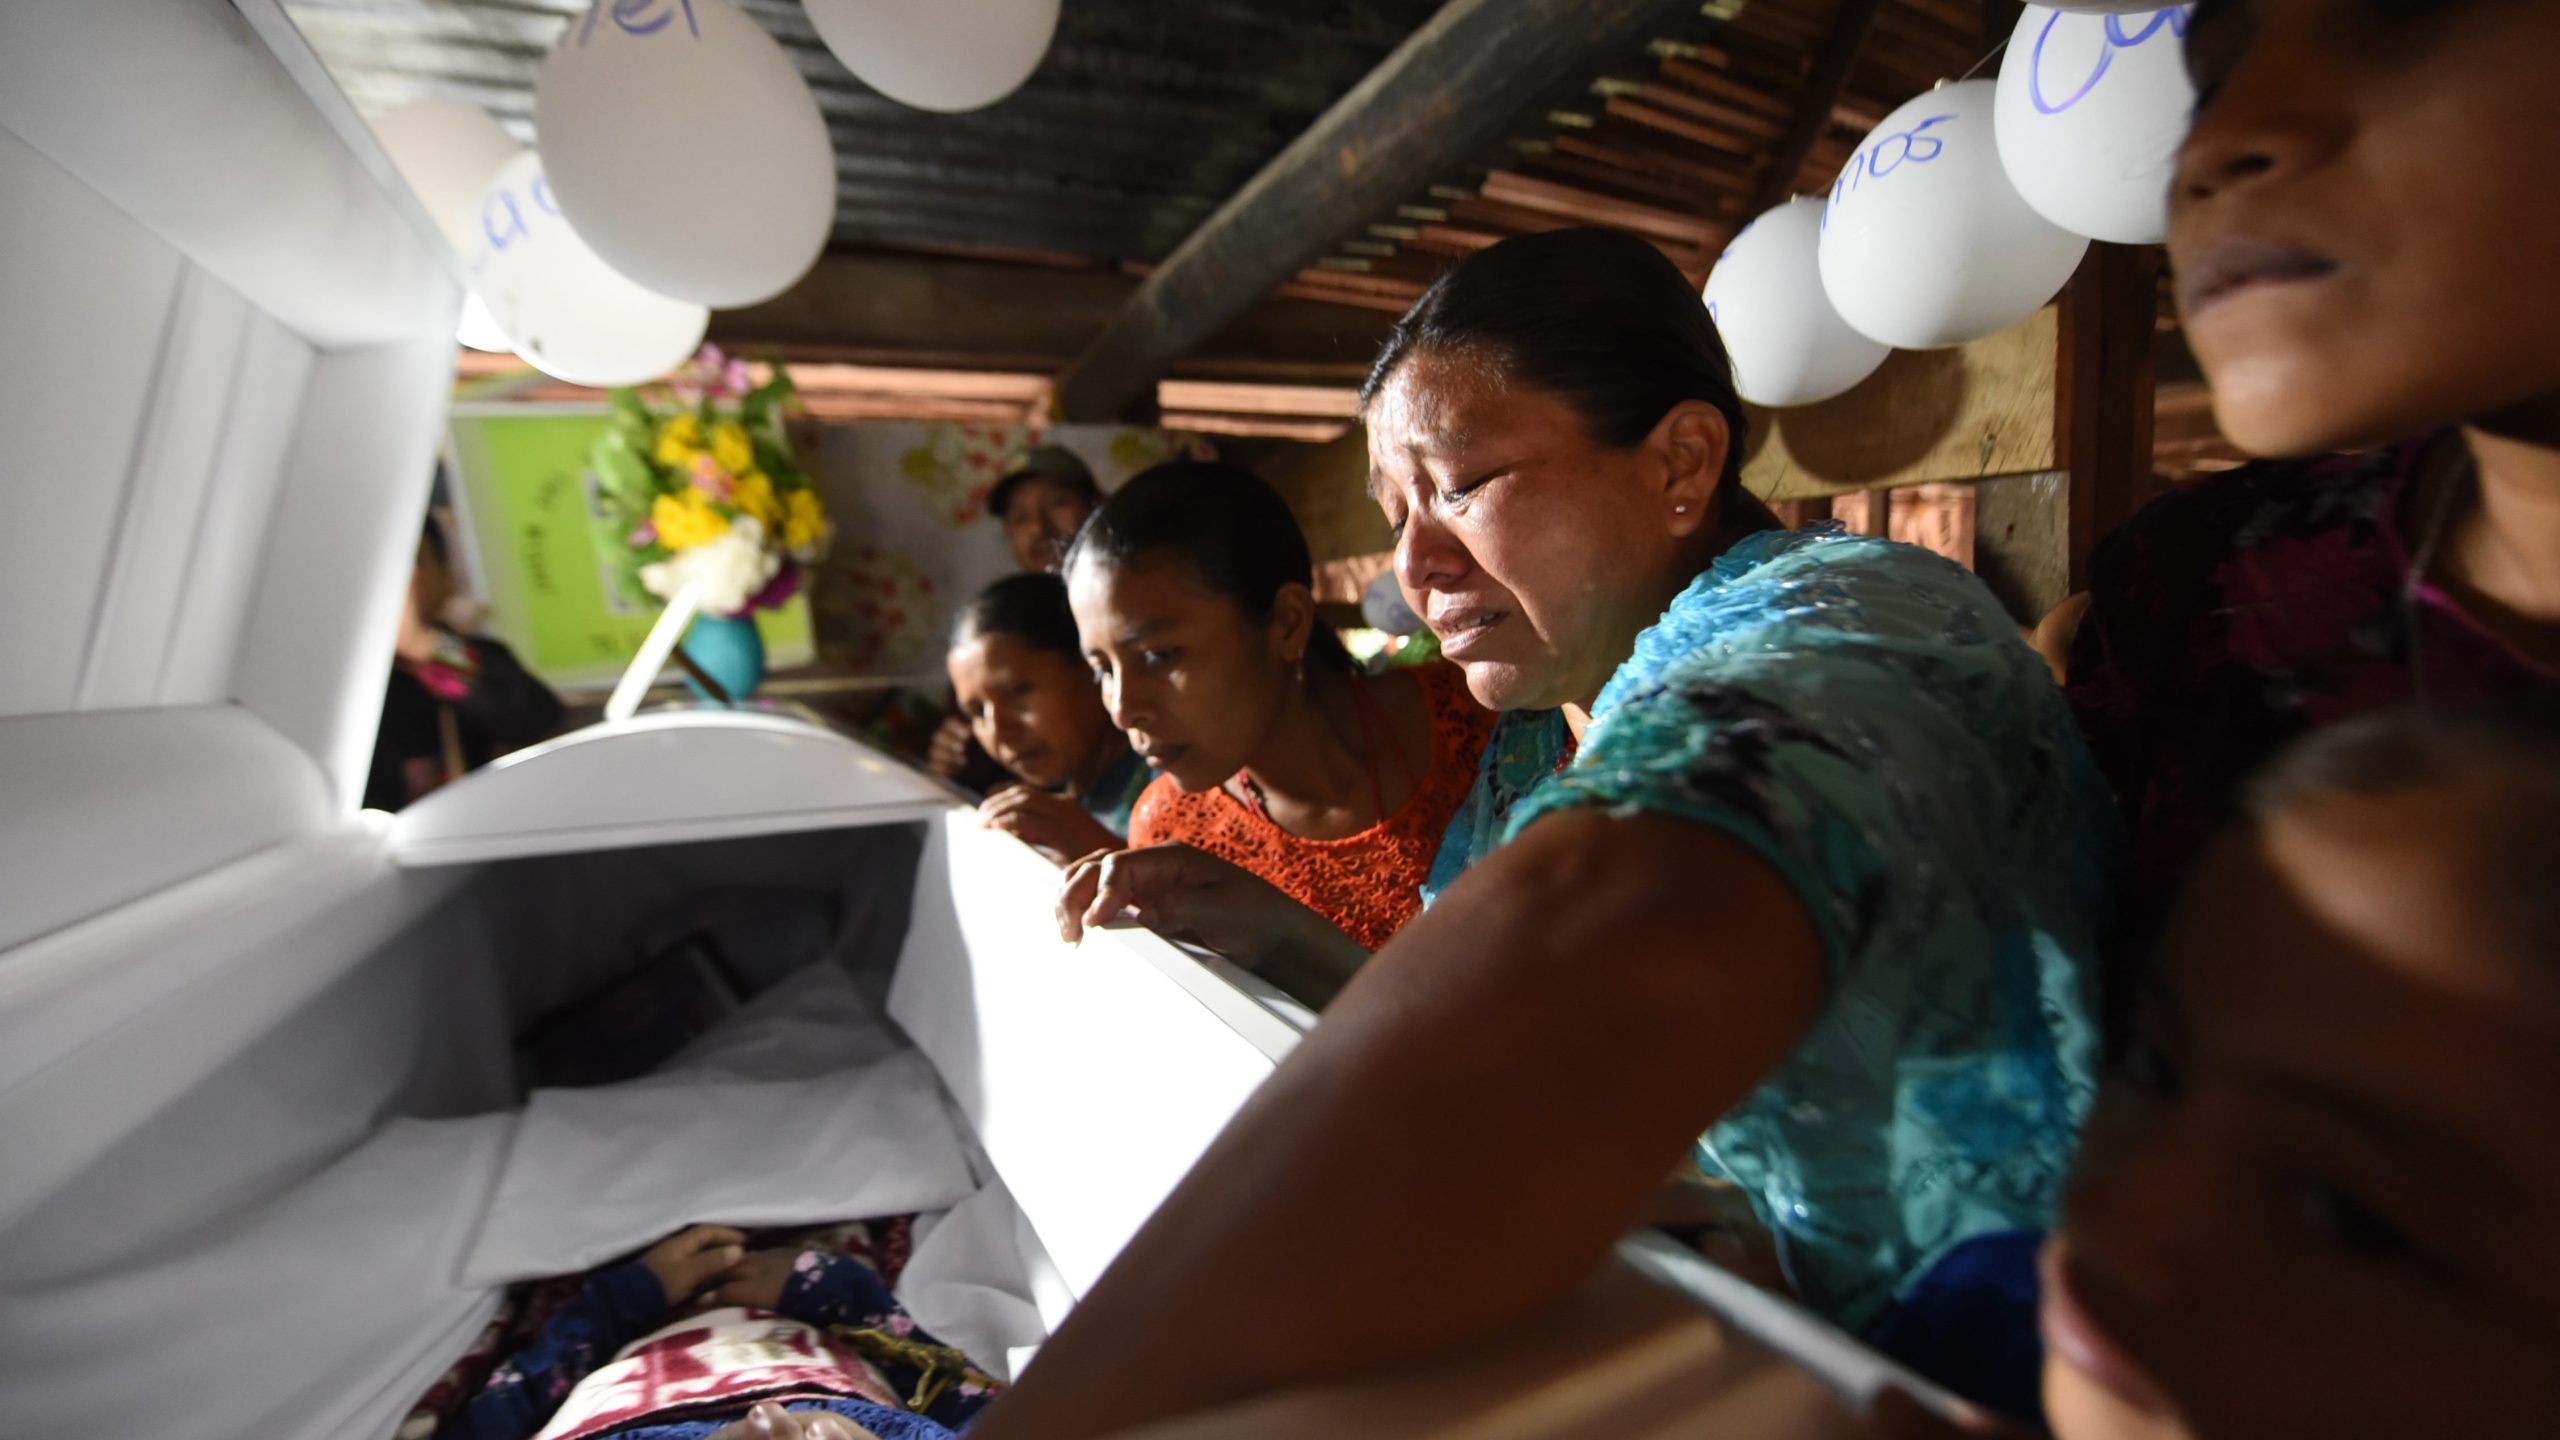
(1113, 797)
(1864, 717)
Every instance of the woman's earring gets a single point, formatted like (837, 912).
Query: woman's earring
(1679, 509)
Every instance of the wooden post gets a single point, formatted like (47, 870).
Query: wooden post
(1444, 97)
(2108, 386)
(2034, 533)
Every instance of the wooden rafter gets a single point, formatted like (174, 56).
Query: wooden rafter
(1446, 95)
(1823, 88)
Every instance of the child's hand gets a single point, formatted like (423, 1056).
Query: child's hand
(690, 1259)
(757, 1281)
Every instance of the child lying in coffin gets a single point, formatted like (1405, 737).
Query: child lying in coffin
(701, 1337)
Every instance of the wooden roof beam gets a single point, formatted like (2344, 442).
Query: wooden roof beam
(1823, 89)
(1439, 101)
(956, 313)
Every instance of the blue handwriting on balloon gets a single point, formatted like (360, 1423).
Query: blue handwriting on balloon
(1914, 146)
(2116, 38)
(503, 222)
(639, 17)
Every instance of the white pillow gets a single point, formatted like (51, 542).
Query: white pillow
(595, 1173)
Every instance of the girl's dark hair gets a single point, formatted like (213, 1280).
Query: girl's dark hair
(2517, 739)
(1032, 608)
(1597, 317)
(1233, 530)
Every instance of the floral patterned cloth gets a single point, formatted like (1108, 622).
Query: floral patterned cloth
(1863, 716)
(622, 1304)
(1368, 884)
(2239, 612)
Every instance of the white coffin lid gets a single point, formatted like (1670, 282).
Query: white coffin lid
(665, 777)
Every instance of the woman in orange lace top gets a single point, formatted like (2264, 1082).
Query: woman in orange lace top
(1194, 599)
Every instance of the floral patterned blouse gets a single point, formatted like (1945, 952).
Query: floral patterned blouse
(1864, 717)
(2236, 613)
(1370, 883)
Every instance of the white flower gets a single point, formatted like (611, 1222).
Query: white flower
(731, 569)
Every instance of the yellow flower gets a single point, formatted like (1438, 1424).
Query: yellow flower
(806, 522)
(754, 494)
(686, 520)
(679, 440)
(730, 446)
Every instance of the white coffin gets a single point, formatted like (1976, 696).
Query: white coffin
(254, 1043)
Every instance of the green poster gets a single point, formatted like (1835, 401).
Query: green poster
(527, 502)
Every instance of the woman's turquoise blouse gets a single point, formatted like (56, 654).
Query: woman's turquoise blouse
(1115, 796)
(1864, 717)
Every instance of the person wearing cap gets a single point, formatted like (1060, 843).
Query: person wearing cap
(1042, 501)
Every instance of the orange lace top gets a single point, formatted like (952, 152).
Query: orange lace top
(1368, 883)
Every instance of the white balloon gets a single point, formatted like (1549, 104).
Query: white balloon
(479, 329)
(1925, 243)
(563, 309)
(447, 151)
(2092, 111)
(685, 147)
(1789, 346)
(938, 54)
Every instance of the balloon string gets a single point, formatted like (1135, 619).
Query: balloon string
(1985, 60)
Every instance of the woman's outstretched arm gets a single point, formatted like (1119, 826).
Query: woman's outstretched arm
(1546, 1043)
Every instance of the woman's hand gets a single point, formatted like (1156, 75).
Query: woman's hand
(690, 1259)
(1178, 891)
(1050, 821)
(1191, 895)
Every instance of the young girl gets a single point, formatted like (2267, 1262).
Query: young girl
(1021, 681)
(2316, 1197)
(1194, 595)
(2361, 261)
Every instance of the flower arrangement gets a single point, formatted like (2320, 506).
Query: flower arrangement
(702, 487)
